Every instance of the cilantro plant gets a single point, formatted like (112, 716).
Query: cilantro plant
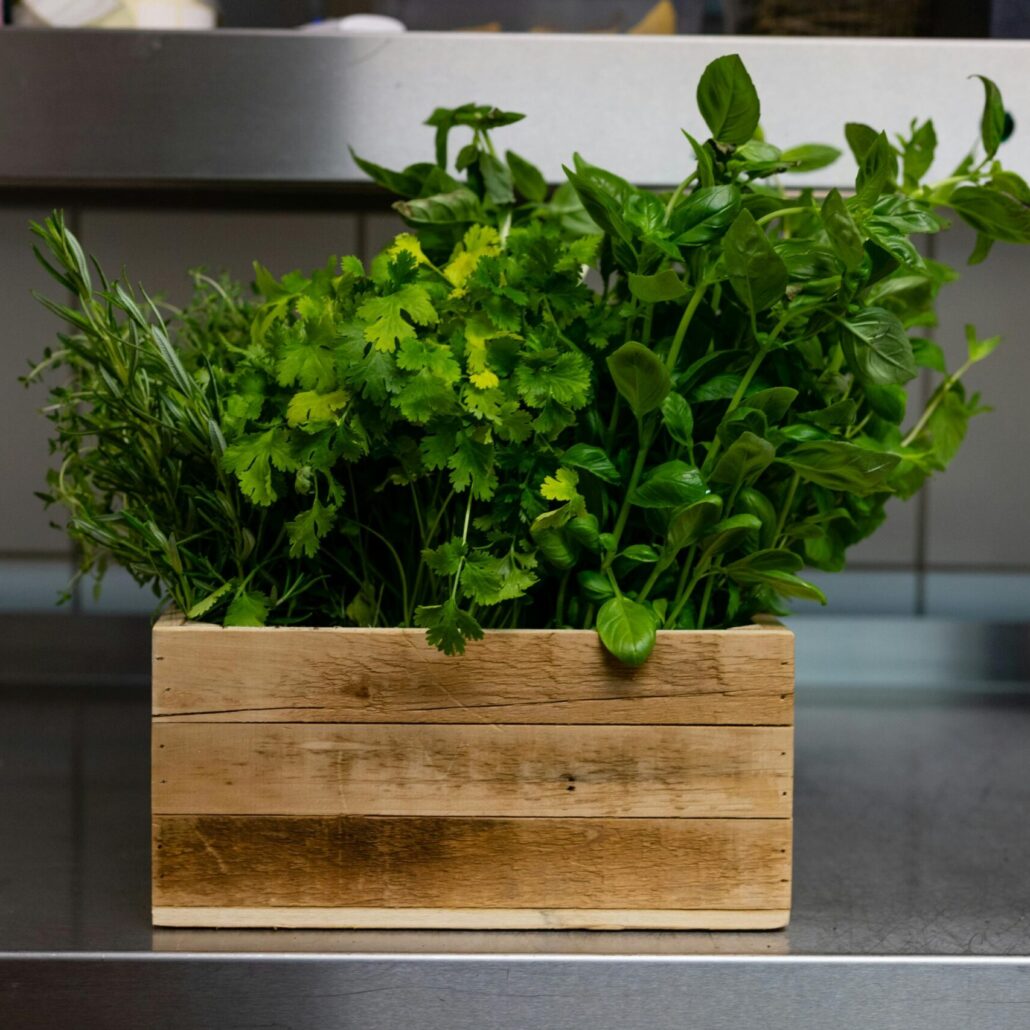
(592, 406)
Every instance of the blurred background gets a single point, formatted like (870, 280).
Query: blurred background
(957, 554)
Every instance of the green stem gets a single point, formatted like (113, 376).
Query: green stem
(559, 608)
(658, 569)
(787, 505)
(681, 330)
(677, 193)
(684, 598)
(705, 598)
(935, 401)
(634, 479)
(738, 396)
(782, 213)
(464, 540)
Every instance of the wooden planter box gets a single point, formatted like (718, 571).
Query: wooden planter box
(359, 778)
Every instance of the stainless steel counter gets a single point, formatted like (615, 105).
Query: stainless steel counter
(912, 898)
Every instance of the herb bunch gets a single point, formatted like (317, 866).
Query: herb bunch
(592, 406)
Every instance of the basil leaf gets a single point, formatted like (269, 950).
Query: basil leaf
(678, 419)
(596, 586)
(705, 215)
(918, 152)
(860, 139)
(689, 524)
(841, 466)
(668, 486)
(727, 534)
(992, 122)
(653, 289)
(497, 178)
(810, 157)
(744, 459)
(842, 231)
(641, 554)
(992, 213)
(592, 459)
(876, 171)
(877, 348)
(727, 100)
(627, 629)
(756, 272)
(640, 376)
(527, 178)
(460, 205)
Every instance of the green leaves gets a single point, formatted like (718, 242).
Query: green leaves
(527, 178)
(479, 117)
(592, 459)
(841, 466)
(704, 215)
(689, 524)
(992, 123)
(627, 629)
(459, 206)
(640, 376)
(727, 100)
(248, 608)
(653, 289)
(678, 419)
(810, 157)
(384, 315)
(774, 569)
(842, 231)
(877, 347)
(252, 460)
(756, 272)
(669, 485)
(459, 436)
(876, 171)
(447, 626)
(744, 459)
(997, 215)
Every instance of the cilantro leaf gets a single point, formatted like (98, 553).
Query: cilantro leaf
(306, 358)
(310, 410)
(447, 626)
(385, 316)
(472, 465)
(561, 486)
(445, 560)
(248, 608)
(252, 458)
(309, 527)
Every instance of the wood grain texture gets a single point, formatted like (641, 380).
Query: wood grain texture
(425, 862)
(391, 769)
(206, 673)
(471, 918)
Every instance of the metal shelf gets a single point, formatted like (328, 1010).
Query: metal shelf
(911, 909)
(276, 111)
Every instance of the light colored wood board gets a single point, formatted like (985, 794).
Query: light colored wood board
(427, 862)
(470, 918)
(517, 770)
(207, 673)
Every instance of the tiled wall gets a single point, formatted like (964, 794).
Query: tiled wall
(963, 549)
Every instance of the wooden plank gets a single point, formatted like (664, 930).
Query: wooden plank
(393, 769)
(426, 862)
(207, 673)
(471, 918)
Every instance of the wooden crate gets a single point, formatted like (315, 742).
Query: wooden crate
(359, 778)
